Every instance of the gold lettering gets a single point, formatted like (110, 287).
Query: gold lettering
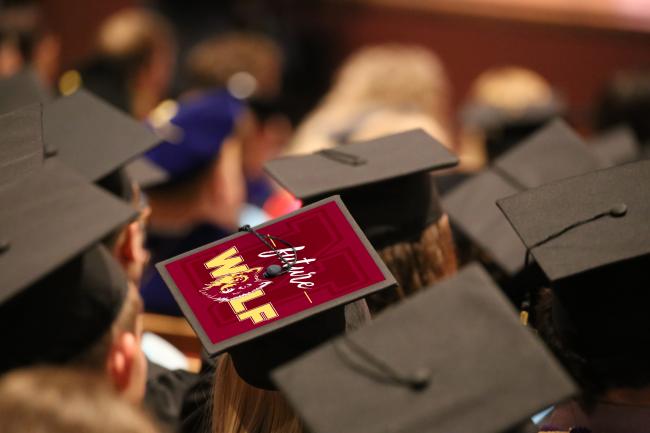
(257, 314)
(226, 263)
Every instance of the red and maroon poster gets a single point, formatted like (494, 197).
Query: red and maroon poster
(221, 286)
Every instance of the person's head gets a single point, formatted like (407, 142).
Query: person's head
(203, 163)
(136, 44)
(241, 408)
(397, 78)
(626, 101)
(84, 314)
(394, 76)
(25, 42)
(589, 237)
(61, 400)
(127, 242)
(118, 353)
(420, 261)
(504, 105)
(244, 397)
(417, 264)
(249, 65)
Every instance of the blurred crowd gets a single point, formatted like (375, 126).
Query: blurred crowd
(143, 155)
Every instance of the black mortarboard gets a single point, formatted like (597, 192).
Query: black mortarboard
(108, 79)
(47, 218)
(236, 302)
(451, 359)
(590, 236)
(21, 89)
(21, 145)
(552, 153)
(91, 136)
(59, 292)
(385, 182)
(616, 146)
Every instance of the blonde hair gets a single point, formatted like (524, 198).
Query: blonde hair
(60, 400)
(511, 89)
(394, 77)
(133, 33)
(417, 264)
(241, 408)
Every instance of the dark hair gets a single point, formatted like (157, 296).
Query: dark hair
(21, 24)
(626, 100)
(595, 374)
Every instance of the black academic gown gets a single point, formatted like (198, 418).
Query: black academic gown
(165, 392)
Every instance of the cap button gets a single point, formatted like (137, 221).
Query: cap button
(50, 153)
(420, 379)
(618, 210)
(4, 245)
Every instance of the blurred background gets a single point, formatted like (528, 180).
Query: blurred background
(577, 46)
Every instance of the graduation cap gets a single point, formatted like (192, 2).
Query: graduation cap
(91, 136)
(20, 90)
(21, 145)
(552, 153)
(59, 292)
(385, 182)
(590, 236)
(451, 359)
(616, 146)
(266, 295)
(193, 136)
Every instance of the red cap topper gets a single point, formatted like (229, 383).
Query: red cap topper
(222, 289)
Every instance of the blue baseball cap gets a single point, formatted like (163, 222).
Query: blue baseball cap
(194, 135)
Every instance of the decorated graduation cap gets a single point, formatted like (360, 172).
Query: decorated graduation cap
(268, 294)
(590, 236)
(21, 146)
(616, 146)
(385, 182)
(552, 153)
(20, 90)
(60, 292)
(193, 133)
(451, 359)
(91, 136)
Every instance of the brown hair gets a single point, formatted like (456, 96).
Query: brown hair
(95, 357)
(212, 62)
(241, 408)
(417, 264)
(60, 400)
